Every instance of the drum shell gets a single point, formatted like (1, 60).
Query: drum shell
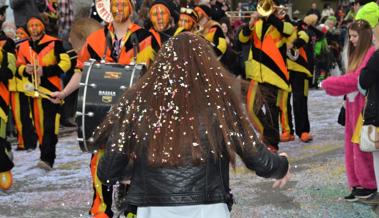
(101, 87)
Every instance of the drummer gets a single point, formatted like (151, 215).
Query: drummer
(120, 34)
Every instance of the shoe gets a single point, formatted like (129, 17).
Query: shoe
(373, 200)
(6, 180)
(20, 149)
(272, 149)
(44, 165)
(363, 193)
(286, 137)
(306, 137)
(351, 198)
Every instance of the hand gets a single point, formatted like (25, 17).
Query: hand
(253, 18)
(55, 100)
(59, 95)
(29, 69)
(283, 181)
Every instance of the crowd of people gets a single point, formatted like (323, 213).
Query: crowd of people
(169, 140)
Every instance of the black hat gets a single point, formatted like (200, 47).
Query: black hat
(190, 12)
(207, 10)
(174, 11)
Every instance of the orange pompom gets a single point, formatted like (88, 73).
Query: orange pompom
(6, 180)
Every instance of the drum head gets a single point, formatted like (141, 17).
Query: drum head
(102, 86)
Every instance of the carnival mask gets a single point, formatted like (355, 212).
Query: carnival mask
(21, 34)
(160, 17)
(35, 27)
(186, 22)
(121, 10)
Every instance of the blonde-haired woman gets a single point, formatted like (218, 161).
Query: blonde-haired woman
(359, 165)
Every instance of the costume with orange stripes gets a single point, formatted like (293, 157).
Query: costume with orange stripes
(48, 53)
(266, 67)
(101, 45)
(211, 30)
(300, 73)
(21, 106)
(7, 71)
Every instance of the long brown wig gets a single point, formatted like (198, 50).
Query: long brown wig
(185, 99)
(357, 53)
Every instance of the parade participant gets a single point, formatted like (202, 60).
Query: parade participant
(181, 125)
(210, 29)
(112, 44)
(359, 165)
(43, 60)
(300, 73)
(21, 105)
(7, 71)
(187, 20)
(163, 16)
(266, 67)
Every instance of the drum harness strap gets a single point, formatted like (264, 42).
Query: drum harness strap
(108, 43)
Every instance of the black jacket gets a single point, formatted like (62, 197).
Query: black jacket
(369, 80)
(188, 184)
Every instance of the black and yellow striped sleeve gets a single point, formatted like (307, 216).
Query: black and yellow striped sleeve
(219, 42)
(301, 40)
(285, 28)
(8, 64)
(63, 61)
(244, 34)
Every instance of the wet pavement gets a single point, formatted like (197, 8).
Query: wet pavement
(316, 188)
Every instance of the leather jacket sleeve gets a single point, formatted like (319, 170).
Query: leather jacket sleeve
(266, 164)
(112, 165)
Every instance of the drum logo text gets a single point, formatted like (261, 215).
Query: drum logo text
(112, 75)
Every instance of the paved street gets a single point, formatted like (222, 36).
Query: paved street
(316, 188)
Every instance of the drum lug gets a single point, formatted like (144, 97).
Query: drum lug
(89, 114)
(80, 139)
(92, 85)
(123, 87)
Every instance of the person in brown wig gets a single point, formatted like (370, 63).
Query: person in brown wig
(176, 130)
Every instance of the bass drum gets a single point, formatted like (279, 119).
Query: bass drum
(100, 87)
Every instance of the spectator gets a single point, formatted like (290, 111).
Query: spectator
(314, 10)
(326, 12)
(183, 162)
(359, 165)
(22, 10)
(369, 11)
(369, 81)
(65, 19)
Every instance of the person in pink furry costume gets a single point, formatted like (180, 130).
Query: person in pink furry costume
(359, 165)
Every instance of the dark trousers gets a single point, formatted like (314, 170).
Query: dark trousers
(6, 163)
(70, 102)
(264, 111)
(22, 115)
(300, 88)
(46, 121)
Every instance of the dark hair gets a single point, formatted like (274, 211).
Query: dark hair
(184, 99)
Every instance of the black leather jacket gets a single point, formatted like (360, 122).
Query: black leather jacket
(369, 80)
(188, 184)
